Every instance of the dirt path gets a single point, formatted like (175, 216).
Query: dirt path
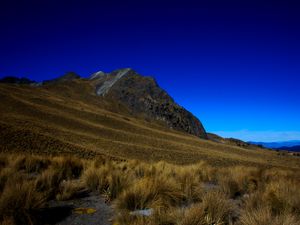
(89, 209)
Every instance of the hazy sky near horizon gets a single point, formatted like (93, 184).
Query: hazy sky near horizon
(234, 64)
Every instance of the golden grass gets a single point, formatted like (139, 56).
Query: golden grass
(70, 119)
(74, 140)
(264, 216)
(281, 194)
(68, 189)
(150, 192)
(175, 194)
(19, 200)
(30, 164)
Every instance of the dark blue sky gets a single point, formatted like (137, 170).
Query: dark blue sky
(234, 64)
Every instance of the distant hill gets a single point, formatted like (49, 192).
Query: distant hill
(290, 149)
(64, 78)
(231, 141)
(276, 145)
(16, 80)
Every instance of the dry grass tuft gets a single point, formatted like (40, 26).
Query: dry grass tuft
(31, 164)
(195, 215)
(177, 195)
(68, 167)
(5, 174)
(3, 161)
(217, 208)
(264, 216)
(68, 190)
(214, 209)
(8, 221)
(192, 190)
(150, 193)
(237, 181)
(96, 178)
(48, 182)
(283, 196)
(19, 200)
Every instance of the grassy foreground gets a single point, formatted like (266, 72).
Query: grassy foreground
(181, 195)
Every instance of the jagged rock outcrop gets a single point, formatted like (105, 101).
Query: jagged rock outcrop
(142, 95)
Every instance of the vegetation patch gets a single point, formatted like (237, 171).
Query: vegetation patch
(149, 193)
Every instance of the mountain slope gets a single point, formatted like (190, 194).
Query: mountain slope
(142, 95)
(231, 141)
(69, 118)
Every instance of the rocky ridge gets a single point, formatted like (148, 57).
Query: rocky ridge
(142, 95)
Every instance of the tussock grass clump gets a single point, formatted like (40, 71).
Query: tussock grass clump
(3, 161)
(264, 216)
(19, 201)
(195, 215)
(48, 182)
(108, 180)
(31, 164)
(214, 209)
(283, 196)
(195, 194)
(117, 183)
(8, 221)
(236, 181)
(91, 178)
(5, 174)
(68, 189)
(189, 185)
(162, 216)
(68, 167)
(205, 172)
(217, 208)
(141, 169)
(150, 193)
(96, 178)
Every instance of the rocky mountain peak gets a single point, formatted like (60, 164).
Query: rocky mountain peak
(142, 95)
(97, 75)
(104, 82)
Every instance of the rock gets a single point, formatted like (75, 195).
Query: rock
(103, 89)
(143, 96)
(97, 75)
(142, 212)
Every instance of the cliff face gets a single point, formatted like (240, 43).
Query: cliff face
(142, 95)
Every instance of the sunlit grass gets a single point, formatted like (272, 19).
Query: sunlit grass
(174, 194)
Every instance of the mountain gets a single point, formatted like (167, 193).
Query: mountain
(69, 76)
(142, 95)
(276, 145)
(16, 80)
(113, 114)
(231, 141)
(295, 148)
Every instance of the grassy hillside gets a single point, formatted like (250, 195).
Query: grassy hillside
(69, 118)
